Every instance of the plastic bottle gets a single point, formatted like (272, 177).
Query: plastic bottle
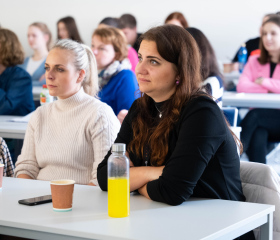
(45, 96)
(118, 182)
(242, 57)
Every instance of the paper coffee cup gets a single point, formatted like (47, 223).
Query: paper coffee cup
(62, 194)
(1, 174)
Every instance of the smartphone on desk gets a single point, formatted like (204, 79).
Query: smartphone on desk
(36, 200)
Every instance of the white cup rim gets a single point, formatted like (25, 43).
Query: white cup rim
(54, 182)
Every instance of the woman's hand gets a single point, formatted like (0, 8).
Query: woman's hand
(25, 176)
(140, 176)
(122, 115)
(91, 184)
(143, 191)
(259, 80)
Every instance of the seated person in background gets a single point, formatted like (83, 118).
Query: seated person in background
(177, 139)
(109, 21)
(252, 45)
(129, 27)
(262, 75)
(211, 75)
(131, 54)
(177, 18)
(68, 138)
(118, 83)
(16, 96)
(67, 29)
(15, 83)
(39, 39)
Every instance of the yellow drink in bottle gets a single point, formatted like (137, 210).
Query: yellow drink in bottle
(118, 197)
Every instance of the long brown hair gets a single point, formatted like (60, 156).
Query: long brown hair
(176, 46)
(11, 51)
(178, 16)
(71, 27)
(209, 64)
(264, 56)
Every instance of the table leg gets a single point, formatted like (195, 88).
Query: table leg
(266, 230)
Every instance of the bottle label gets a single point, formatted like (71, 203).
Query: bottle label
(43, 99)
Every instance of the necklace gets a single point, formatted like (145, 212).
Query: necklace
(160, 113)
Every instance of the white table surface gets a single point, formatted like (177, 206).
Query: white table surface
(15, 130)
(194, 219)
(254, 100)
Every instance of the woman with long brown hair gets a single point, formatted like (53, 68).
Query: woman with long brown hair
(67, 29)
(211, 75)
(179, 144)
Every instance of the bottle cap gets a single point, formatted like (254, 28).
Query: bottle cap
(243, 45)
(44, 86)
(118, 147)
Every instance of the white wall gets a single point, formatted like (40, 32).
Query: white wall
(226, 23)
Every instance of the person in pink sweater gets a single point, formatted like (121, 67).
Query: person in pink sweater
(262, 72)
(262, 75)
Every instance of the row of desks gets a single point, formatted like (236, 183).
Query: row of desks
(206, 219)
(255, 100)
(194, 219)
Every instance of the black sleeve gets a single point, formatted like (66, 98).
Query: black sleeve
(201, 133)
(124, 136)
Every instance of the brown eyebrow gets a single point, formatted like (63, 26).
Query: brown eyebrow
(139, 54)
(154, 57)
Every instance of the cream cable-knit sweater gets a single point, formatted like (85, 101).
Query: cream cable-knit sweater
(67, 139)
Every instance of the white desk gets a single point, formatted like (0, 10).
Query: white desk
(254, 100)
(15, 130)
(194, 219)
(36, 90)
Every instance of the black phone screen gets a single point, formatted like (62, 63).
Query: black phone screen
(36, 200)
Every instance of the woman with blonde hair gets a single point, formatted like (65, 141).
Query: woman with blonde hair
(68, 138)
(118, 83)
(39, 39)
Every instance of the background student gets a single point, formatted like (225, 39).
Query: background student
(118, 83)
(177, 18)
(129, 27)
(262, 75)
(211, 75)
(131, 53)
(67, 29)
(39, 39)
(15, 83)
